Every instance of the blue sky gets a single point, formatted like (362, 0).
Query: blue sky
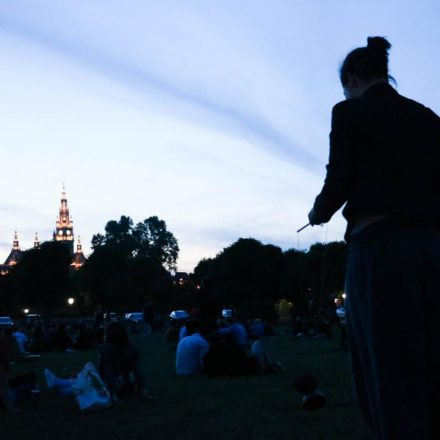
(213, 115)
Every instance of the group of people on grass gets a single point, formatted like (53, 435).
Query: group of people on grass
(42, 336)
(119, 368)
(229, 349)
(224, 347)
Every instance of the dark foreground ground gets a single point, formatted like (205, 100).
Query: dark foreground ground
(247, 408)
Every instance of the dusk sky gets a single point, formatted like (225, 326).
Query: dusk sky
(212, 115)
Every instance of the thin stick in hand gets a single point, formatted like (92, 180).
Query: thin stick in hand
(305, 226)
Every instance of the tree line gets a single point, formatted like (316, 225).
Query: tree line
(131, 262)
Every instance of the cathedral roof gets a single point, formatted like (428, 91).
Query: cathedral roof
(13, 258)
(15, 255)
(78, 260)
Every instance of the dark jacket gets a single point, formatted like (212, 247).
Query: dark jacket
(116, 362)
(384, 158)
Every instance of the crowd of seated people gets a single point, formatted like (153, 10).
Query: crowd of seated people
(316, 321)
(229, 350)
(119, 363)
(222, 347)
(40, 337)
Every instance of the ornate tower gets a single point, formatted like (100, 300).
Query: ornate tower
(15, 243)
(36, 241)
(64, 225)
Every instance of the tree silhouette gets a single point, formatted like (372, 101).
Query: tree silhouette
(251, 274)
(129, 262)
(149, 238)
(246, 274)
(155, 242)
(42, 277)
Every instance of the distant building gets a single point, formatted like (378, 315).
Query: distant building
(63, 233)
(181, 279)
(78, 257)
(13, 258)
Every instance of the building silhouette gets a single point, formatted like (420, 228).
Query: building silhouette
(13, 257)
(63, 233)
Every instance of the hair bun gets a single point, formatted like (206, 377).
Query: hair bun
(378, 44)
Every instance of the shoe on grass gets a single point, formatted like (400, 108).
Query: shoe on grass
(146, 395)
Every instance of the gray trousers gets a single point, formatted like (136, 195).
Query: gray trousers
(393, 323)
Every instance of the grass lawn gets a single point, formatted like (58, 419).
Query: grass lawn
(191, 408)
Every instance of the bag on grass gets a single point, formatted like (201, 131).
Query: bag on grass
(91, 392)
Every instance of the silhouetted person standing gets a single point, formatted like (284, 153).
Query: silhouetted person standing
(385, 165)
(148, 316)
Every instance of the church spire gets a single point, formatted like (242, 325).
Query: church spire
(36, 241)
(15, 243)
(78, 258)
(78, 245)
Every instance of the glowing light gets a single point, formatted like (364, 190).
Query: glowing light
(26, 311)
(70, 301)
(344, 295)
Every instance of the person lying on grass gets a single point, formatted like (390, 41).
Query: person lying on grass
(118, 366)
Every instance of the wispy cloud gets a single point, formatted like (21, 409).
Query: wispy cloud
(19, 210)
(250, 125)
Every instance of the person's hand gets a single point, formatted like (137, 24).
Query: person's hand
(312, 217)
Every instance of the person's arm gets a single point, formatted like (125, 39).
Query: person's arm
(183, 333)
(202, 354)
(339, 168)
(225, 330)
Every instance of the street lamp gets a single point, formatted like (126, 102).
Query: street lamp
(26, 311)
(70, 301)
